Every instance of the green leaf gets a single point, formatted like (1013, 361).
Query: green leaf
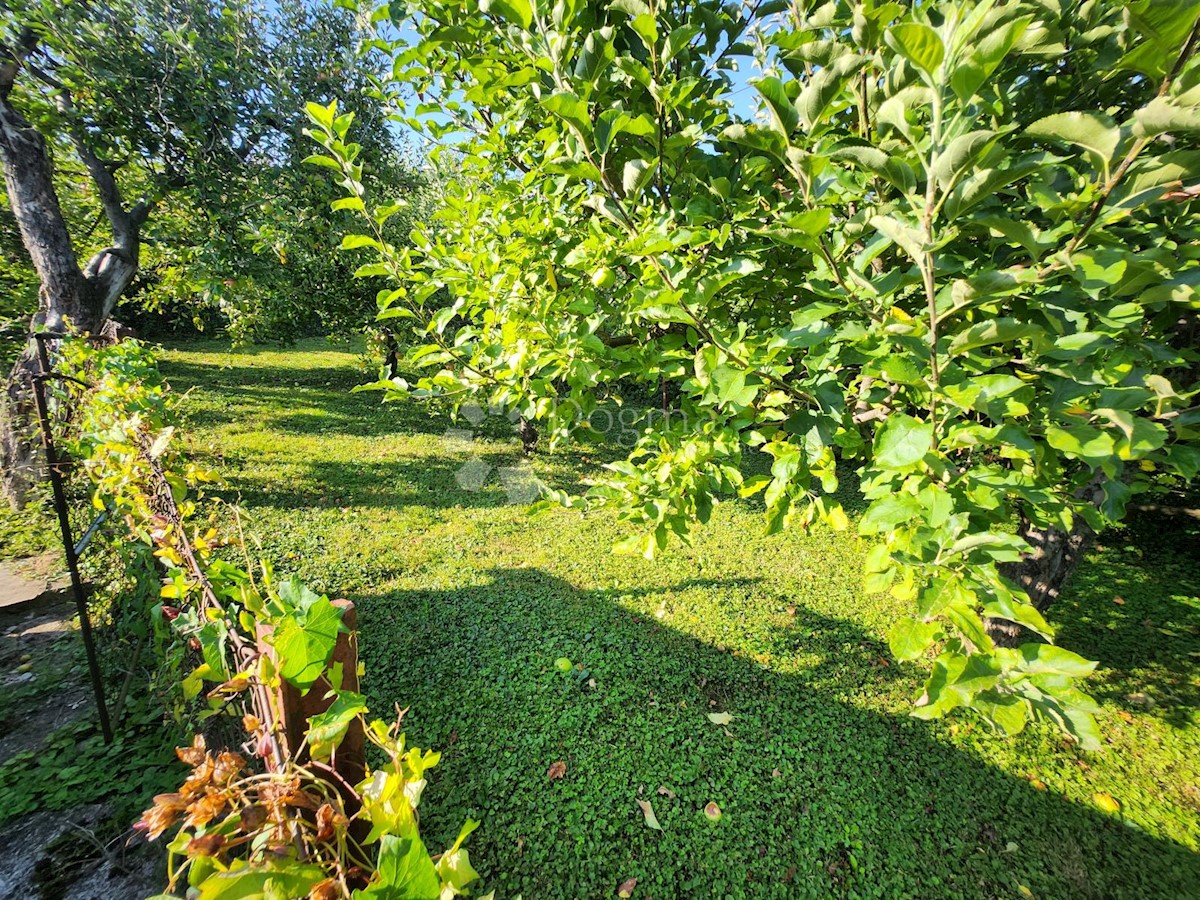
(887, 512)
(1047, 659)
(568, 107)
(322, 116)
(268, 882)
(904, 236)
(909, 638)
(898, 173)
(987, 54)
(1006, 711)
(326, 730)
(1162, 114)
(518, 12)
(994, 331)
(784, 117)
(404, 872)
(919, 44)
(636, 175)
(902, 442)
(959, 156)
(304, 640)
(731, 386)
(1094, 131)
(355, 241)
(594, 58)
(610, 123)
(823, 88)
(1082, 442)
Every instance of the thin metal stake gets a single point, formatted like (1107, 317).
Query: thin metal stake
(64, 523)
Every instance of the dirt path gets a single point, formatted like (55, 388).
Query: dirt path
(55, 854)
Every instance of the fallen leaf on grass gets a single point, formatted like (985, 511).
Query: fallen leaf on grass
(665, 791)
(1107, 802)
(648, 812)
(558, 770)
(722, 718)
(1120, 601)
(626, 888)
(712, 811)
(775, 773)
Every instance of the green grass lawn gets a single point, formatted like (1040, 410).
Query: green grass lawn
(826, 785)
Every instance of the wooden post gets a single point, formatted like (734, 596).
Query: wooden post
(295, 709)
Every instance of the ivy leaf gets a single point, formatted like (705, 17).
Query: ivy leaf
(902, 442)
(454, 868)
(326, 730)
(304, 641)
(404, 871)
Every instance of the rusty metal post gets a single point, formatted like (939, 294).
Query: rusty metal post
(64, 524)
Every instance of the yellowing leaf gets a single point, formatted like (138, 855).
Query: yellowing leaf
(1107, 802)
(721, 718)
(648, 812)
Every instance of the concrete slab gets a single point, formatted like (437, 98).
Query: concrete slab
(22, 583)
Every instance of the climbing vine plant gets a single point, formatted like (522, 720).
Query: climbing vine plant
(952, 247)
(268, 812)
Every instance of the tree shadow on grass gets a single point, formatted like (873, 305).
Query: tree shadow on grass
(1133, 605)
(319, 401)
(820, 796)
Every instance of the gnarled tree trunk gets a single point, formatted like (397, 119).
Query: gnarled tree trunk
(82, 299)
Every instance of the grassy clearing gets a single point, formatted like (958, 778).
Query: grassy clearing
(826, 785)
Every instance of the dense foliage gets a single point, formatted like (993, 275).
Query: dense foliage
(196, 107)
(955, 247)
(282, 826)
(827, 788)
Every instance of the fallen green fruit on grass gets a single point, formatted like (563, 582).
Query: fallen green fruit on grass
(562, 664)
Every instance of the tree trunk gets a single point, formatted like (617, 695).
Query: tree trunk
(1046, 569)
(68, 296)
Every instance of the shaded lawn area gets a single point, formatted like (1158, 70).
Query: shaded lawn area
(826, 785)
